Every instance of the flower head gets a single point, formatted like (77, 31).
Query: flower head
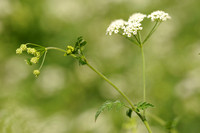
(36, 73)
(34, 60)
(23, 47)
(137, 17)
(159, 15)
(115, 26)
(19, 51)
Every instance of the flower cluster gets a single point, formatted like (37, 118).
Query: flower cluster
(159, 15)
(115, 26)
(137, 17)
(34, 60)
(133, 25)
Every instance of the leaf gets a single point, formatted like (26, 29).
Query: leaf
(143, 106)
(108, 105)
(129, 113)
(80, 43)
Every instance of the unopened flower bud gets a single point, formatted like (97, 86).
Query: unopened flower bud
(36, 73)
(19, 51)
(34, 60)
(23, 47)
(69, 50)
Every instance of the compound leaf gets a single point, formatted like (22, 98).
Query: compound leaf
(108, 105)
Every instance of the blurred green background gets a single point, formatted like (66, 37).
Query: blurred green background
(65, 97)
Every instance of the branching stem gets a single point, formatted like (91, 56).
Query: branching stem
(152, 31)
(114, 86)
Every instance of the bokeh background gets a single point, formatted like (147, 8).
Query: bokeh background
(65, 97)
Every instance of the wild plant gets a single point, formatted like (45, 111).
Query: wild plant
(130, 30)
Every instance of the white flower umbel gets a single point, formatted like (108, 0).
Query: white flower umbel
(115, 27)
(129, 28)
(137, 17)
(159, 15)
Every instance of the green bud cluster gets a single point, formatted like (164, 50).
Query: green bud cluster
(22, 48)
(70, 50)
(36, 56)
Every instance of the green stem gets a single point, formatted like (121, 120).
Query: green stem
(147, 126)
(143, 74)
(130, 39)
(55, 48)
(114, 86)
(43, 60)
(157, 119)
(127, 99)
(139, 37)
(35, 45)
(152, 31)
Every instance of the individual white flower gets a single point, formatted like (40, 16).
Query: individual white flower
(19, 51)
(159, 15)
(137, 17)
(132, 28)
(34, 60)
(36, 73)
(115, 26)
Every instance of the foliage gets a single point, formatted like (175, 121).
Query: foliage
(109, 105)
(143, 106)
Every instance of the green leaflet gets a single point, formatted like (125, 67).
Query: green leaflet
(79, 45)
(109, 105)
(143, 106)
